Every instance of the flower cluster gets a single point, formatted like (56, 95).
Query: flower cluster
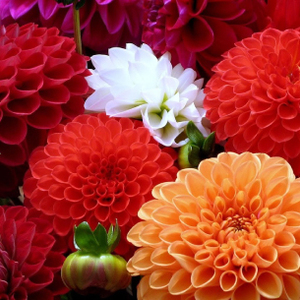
(29, 262)
(42, 83)
(104, 24)
(252, 100)
(228, 230)
(96, 169)
(133, 83)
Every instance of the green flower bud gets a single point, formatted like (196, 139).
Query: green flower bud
(93, 269)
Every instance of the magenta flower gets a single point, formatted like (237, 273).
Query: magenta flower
(197, 35)
(105, 23)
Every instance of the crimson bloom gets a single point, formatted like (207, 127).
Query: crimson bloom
(41, 84)
(104, 23)
(197, 33)
(29, 264)
(96, 169)
(253, 99)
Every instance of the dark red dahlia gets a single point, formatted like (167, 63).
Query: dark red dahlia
(29, 265)
(198, 32)
(41, 84)
(96, 169)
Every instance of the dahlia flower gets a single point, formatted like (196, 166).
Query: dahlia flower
(30, 266)
(197, 33)
(96, 169)
(252, 101)
(41, 84)
(227, 230)
(133, 83)
(104, 24)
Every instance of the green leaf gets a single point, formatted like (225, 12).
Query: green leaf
(194, 134)
(194, 155)
(113, 237)
(208, 144)
(84, 238)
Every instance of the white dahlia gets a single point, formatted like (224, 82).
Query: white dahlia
(134, 83)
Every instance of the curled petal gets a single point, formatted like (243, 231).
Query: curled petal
(269, 285)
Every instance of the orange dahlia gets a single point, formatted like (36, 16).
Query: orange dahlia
(252, 100)
(96, 169)
(227, 230)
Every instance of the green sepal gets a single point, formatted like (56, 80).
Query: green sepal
(79, 4)
(113, 237)
(194, 155)
(194, 134)
(183, 156)
(209, 144)
(84, 238)
(98, 241)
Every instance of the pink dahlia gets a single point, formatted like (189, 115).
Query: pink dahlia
(198, 32)
(253, 99)
(29, 264)
(96, 169)
(104, 23)
(41, 84)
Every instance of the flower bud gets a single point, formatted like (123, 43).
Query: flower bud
(93, 269)
(89, 274)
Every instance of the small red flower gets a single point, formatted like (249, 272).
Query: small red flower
(96, 169)
(41, 84)
(197, 33)
(253, 99)
(29, 265)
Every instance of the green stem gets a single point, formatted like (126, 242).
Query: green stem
(77, 31)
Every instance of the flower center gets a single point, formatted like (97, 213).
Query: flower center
(238, 223)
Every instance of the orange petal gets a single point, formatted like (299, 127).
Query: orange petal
(141, 260)
(287, 262)
(189, 220)
(180, 283)
(267, 238)
(223, 262)
(265, 257)
(269, 285)
(228, 189)
(147, 208)
(229, 281)
(183, 254)
(205, 167)
(185, 204)
(194, 182)
(171, 189)
(204, 257)
(204, 276)
(248, 272)
(291, 286)
(166, 215)
(160, 279)
(220, 171)
(277, 222)
(254, 188)
(277, 186)
(133, 235)
(239, 257)
(246, 291)
(284, 241)
(213, 293)
(193, 239)
(149, 235)
(293, 221)
(161, 257)
(245, 174)
(171, 233)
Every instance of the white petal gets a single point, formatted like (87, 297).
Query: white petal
(186, 78)
(101, 62)
(169, 85)
(98, 100)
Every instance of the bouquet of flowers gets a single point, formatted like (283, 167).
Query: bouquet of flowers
(150, 149)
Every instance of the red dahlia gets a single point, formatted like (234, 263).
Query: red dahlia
(41, 84)
(198, 32)
(96, 169)
(29, 265)
(253, 99)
